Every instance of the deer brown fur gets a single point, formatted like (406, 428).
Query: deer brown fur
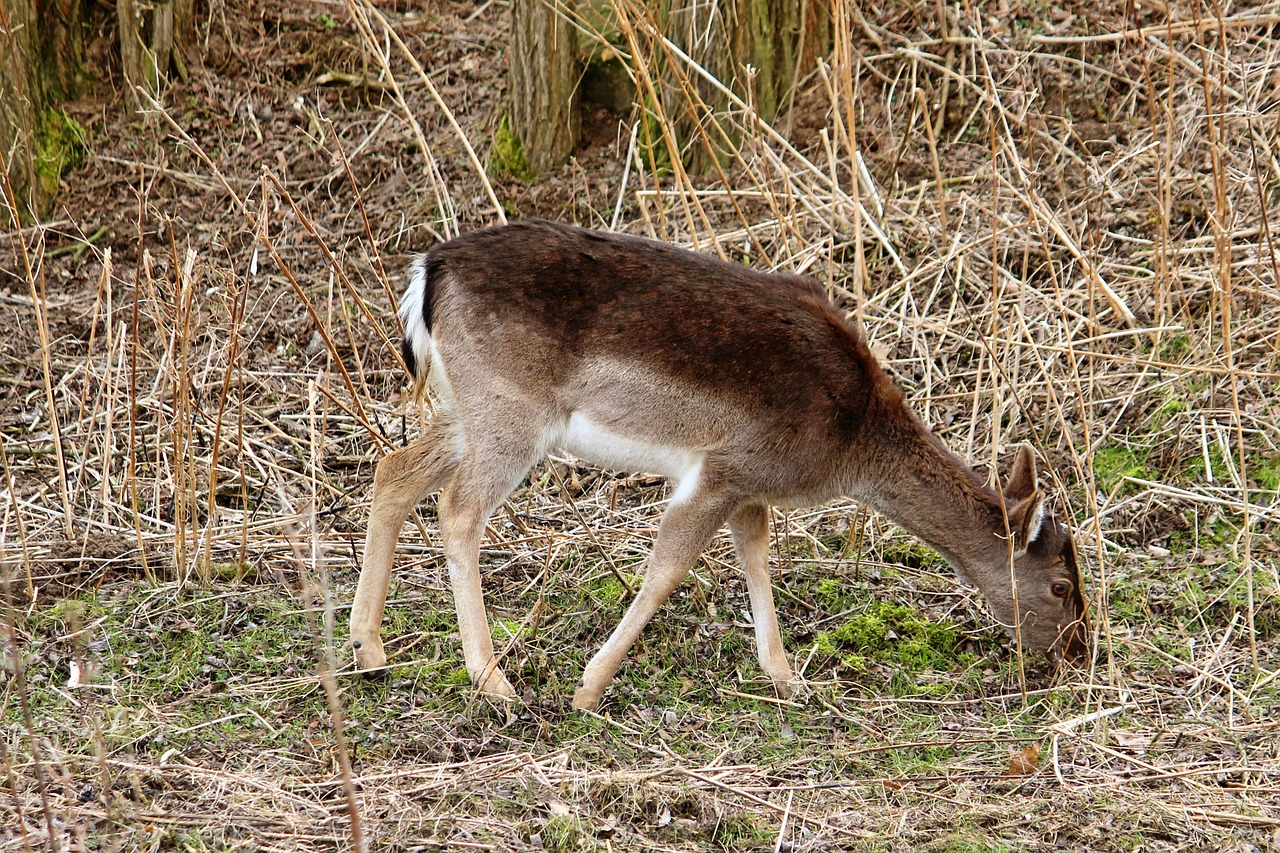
(747, 389)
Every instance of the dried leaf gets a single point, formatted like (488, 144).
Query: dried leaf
(557, 807)
(1025, 761)
(608, 826)
(1131, 740)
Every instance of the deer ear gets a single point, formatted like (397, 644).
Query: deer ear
(1026, 521)
(1022, 477)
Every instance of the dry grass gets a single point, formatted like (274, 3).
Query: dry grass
(1056, 225)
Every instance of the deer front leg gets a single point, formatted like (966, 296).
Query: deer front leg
(402, 479)
(750, 526)
(685, 530)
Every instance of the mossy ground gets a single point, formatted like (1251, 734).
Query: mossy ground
(507, 154)
(899, 699)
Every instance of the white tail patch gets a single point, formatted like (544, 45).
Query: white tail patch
(415, 323)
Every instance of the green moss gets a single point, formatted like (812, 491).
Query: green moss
(70, 613)
(1203, 535)
(1128, 601)
(1175, 347)
(504, 630)
(507, 155)
(909, 552)
(1195, 469)
(652, 144)
(894, 634)
(59, 147)
(734, 645)
(235, 570)
(456, 677)
(830, 593)
(1265, 471)
(1169, 408)
(1115, 462)
(742, 831)
(607, 589)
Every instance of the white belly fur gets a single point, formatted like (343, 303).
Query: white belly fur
(587, 440)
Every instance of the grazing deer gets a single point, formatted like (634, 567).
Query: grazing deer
(746, 389)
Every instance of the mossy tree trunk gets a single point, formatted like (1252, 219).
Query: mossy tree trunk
(757, 48)
(543, 73)
(18, 106)
(42, 64)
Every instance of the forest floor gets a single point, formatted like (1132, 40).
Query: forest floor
(1053, 221)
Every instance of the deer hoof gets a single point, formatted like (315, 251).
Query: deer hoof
(585, 700)
(495, 685)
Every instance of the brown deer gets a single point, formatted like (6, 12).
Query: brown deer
(746, 389)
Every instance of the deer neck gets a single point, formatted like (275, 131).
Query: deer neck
(919, 484)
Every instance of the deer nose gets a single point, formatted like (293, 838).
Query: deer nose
(1074, 644)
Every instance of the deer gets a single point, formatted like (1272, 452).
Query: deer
(746, 389)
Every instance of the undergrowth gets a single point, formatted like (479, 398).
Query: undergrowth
(1054, 225)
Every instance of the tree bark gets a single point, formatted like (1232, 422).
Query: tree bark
(44, 63)
(151, 38)
(17, 106)
(776, 39)
(543, 74)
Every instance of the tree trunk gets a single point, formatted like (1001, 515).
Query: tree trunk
(17, 107)
(61, 28)
(151, 37)
(42, 65)
(781, 40)
(543, 74)
(778, 39)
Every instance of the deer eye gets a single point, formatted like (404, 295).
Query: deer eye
(1060, 589)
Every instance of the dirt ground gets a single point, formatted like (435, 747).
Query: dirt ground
(1054, 223)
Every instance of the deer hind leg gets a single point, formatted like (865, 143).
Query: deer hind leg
(477, 489)
(750, 527)
(685, 530)
(402, 479)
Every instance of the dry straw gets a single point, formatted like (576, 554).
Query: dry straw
(1055, 230)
